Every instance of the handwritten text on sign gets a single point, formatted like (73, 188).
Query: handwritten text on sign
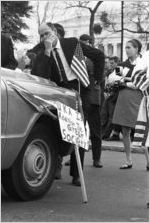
(72, 126)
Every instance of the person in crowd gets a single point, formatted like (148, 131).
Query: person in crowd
(129, 98)
(140, 78)
(107, 69)
(54, 62)
(26, 62)
(7, 52)
(92, 98)
(93, 102)
(109, 104)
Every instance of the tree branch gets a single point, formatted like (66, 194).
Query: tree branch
(132, 31)
(97, 5)
(78, 6)
(37, 12)
(45, 11)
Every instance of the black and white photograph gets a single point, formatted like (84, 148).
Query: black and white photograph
(75, 111)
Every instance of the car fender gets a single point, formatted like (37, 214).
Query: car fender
(17, 141)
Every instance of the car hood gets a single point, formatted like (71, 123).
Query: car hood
(39, 91)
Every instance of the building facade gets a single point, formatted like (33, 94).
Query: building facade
(108, 41)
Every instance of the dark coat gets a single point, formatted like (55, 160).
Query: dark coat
(7, 53)
(46, 67)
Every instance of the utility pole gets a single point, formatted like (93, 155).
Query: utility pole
(122, 28)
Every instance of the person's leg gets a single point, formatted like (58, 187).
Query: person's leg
(94, 119)
(127, 144)
(59, 168)
(117, 129)
(132, 134)
(74, 168)
(110, 126)
(146, 152)
(104, 118)
(115, 133)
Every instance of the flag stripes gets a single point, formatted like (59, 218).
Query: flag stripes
(139, 135)
(142, 125)
(77, 68)
(140, 79)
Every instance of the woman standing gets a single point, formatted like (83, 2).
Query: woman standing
(129, 98)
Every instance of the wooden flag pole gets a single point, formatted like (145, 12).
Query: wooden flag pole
(83, 189)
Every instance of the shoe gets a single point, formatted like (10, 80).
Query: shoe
(126, 166)
(67, 163)
(76, 181)
(113, 138)
(97, 164)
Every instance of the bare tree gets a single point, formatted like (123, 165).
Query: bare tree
(136, 18)
(50, 11)
(86, 5)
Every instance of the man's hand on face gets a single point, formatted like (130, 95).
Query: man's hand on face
(48, 37)
(50, 42)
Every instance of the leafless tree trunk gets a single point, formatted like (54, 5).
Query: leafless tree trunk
(84, 4)
(49, 12)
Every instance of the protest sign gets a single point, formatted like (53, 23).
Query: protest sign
(72, 126)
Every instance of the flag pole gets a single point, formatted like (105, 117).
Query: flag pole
(83, 188)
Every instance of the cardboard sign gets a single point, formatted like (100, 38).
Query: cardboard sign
(72, 126)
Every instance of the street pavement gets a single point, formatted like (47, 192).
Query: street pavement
(114, 195)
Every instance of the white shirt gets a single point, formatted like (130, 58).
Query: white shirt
(113, 77)
(70, 75)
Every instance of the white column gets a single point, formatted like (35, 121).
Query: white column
(105, 49)
(115, 49)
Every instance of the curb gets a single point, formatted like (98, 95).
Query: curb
(118, 147)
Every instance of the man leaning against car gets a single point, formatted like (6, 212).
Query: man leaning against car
(54, 63)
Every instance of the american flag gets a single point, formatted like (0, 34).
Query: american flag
(141, 135)
(140, 80)
(78, 66)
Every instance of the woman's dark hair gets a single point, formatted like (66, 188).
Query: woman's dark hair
(136, 44)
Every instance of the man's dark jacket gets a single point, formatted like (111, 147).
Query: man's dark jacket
(7, 53)
(46, 67)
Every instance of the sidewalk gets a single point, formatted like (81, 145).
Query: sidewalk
(118, 147)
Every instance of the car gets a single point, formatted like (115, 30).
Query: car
(30, 133)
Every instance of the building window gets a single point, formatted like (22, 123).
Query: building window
(119, 50)
(110, 50)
